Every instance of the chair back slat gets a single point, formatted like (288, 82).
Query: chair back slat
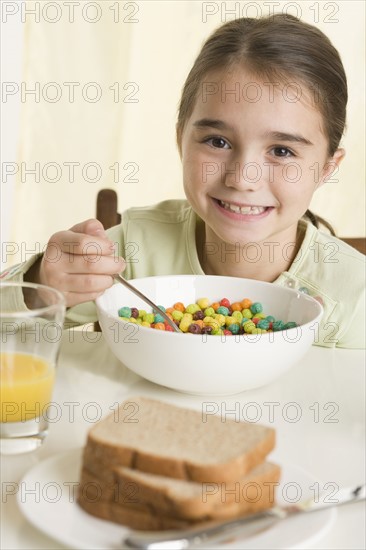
(107, 204)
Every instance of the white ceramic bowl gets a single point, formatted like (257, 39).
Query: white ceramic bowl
(215, 365)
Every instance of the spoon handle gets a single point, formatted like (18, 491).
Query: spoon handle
(118, 277)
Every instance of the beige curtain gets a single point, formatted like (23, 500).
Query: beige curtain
(107, 86)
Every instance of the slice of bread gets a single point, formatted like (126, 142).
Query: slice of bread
(142, 520)
(186, 500)
(192, 500)
(156, 437)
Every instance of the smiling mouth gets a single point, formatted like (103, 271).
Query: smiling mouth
(246, 210)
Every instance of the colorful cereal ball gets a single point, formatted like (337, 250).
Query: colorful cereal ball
(204, 317)
(203, 303)
(233, 328)
(124, 312)
(256, 308)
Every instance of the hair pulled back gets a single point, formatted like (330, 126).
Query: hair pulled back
(277, 48)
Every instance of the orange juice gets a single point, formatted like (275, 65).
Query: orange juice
(26, 386)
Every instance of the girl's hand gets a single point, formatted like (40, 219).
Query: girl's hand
(80, 262)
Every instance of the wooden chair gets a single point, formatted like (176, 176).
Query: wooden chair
(359, 243)
(107, 213)
(107, 208)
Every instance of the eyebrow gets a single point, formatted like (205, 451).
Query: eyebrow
(221, 125)
(212, 123)
(283, 136)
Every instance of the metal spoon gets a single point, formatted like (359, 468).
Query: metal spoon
(118, 277)
(246, 526)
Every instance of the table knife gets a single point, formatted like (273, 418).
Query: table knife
(245, 526)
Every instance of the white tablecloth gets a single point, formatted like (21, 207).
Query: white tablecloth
(317, 408)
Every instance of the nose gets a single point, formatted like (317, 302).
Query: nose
(243, 174)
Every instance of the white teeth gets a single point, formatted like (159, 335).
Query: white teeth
(254, 210)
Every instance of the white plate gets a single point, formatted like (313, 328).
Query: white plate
(56, 513)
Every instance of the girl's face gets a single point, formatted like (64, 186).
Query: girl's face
(253, 154)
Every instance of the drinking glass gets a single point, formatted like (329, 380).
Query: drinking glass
(31, 321)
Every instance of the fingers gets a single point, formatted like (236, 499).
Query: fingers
(87, 264)
(77, 240)
(88, 282)
(80, 262)
(90, 227)
(78, 243)
(73, 299)
(92, 287)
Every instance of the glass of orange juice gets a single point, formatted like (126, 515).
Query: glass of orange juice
(31, 322)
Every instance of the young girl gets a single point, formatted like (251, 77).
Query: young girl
(260, 120)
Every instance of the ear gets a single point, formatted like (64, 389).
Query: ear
(178, 137)
(331, 165)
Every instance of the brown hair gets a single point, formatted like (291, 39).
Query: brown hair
(277, 47)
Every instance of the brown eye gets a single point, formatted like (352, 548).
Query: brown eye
(218, 143)
(282, 152)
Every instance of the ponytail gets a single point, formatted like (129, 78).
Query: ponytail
(318, 220)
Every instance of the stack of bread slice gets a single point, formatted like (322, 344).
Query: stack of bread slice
(153, 466)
